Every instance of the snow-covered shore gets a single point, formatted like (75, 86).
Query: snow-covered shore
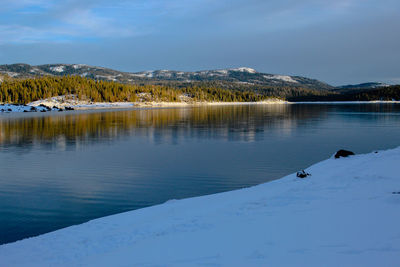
(46, 106)
(345, 214)
(62, 103)
(71, 102)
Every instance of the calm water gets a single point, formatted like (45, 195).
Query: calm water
(67, 168)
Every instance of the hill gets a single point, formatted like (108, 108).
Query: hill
(237, 80)
(236, 77)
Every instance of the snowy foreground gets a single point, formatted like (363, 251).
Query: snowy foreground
(346, 214)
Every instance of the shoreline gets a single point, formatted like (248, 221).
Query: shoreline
(44, 106)
(344, 214)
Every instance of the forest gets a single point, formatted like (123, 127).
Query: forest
(23, 91)
(388, 93)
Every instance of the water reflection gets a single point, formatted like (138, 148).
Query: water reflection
(72, 130)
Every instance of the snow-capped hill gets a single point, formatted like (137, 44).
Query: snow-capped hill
(231, 77)
(364, 85)
(244, 69)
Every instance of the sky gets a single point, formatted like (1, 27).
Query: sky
(336, 41)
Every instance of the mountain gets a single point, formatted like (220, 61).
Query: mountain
(235, 77)
(371, 85)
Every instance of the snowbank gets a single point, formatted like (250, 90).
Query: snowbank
(23, 108)
(345, 214)
(72, 101)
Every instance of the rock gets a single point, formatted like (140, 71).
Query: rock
(69, 108)
(46, 107)
(302, 174)
(343, 153)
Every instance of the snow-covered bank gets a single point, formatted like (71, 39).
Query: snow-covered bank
(345, 214)
(71, 101)
(24, 108)
(60, 103)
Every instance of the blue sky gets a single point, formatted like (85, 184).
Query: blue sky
(341, 41)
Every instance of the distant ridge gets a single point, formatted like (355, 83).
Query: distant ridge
(364, 85)
(238, 76)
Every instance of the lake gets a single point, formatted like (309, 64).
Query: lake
(61, 169)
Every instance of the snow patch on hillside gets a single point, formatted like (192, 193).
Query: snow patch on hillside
(224, 72)
(57, 68)
(244, 69)
(10, 73)
(345, 214)
(144, 74)
(78, 66)
(107, 77)
(284, 78)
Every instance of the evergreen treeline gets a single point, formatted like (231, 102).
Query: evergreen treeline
(28, 90)
(383, 93)
(277, 91)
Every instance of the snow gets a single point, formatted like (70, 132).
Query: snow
(244, 69)
(72, 101)
(78, 66)
(281, 77)
(10, 73)
(22, 108)
(61, 102)
(345, 214)
(107, 77)
(144, 74)
(186, 98)
(224, 72)
(165, 74)
(57, 68)
(35, 70)
(138, 74)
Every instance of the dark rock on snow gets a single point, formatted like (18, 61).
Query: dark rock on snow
(302, 174)
(343, 153)
(46, 107)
